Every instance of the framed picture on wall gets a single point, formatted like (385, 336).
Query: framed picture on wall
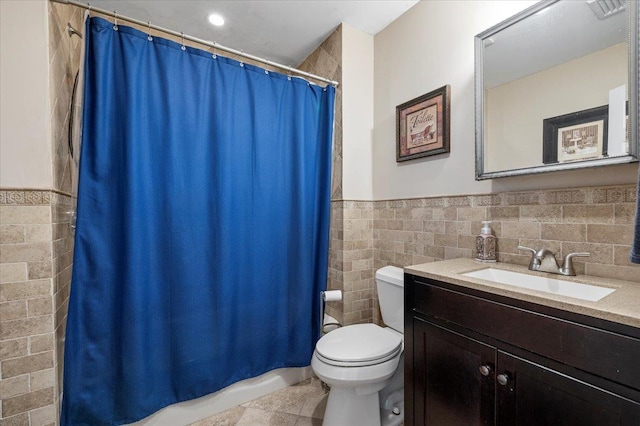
(422, 125)
(578, 136)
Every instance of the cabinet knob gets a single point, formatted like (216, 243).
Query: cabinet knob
(485, 370)
(503, 379)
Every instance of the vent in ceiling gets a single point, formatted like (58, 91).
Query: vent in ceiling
(605, 8)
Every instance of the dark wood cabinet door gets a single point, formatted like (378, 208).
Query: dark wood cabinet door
(454, 378)
(529, 394)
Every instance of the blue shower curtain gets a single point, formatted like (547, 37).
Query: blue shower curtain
(203, 226)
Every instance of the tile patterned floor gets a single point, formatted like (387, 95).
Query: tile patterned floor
(302, 404)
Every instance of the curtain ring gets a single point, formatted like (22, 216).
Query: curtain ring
(149, 33)
(115, 20)
(214, 49)
(183, 46)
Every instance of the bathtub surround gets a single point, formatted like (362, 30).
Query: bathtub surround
(347, 56)
(327, 60)
(65, 54)
(64, 61)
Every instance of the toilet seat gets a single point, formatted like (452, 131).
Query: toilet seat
(358, 346)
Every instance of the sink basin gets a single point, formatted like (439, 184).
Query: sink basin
(580, 291)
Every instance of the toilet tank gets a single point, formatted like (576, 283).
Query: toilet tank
(390, 284)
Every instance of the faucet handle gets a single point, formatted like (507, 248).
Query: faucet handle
(567, 265)
(533, 252)
(533, 265)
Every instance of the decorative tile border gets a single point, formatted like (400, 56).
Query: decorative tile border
(589, 195)
(34, 197)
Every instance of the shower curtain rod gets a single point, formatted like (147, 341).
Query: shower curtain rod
(197, 40)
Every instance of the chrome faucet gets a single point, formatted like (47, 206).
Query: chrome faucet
(544, 260)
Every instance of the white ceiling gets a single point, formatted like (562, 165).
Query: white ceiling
(564, 31)
(282, 31)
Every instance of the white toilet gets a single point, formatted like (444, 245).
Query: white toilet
(363, 363)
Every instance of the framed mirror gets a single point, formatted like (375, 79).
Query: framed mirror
(556, 88)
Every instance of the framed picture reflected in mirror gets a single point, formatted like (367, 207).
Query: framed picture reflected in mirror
(577, 136)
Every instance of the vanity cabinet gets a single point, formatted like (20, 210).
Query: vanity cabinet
(475, 358)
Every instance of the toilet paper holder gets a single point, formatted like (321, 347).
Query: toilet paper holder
(328, 296)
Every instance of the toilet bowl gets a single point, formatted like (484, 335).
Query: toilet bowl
(363, 363)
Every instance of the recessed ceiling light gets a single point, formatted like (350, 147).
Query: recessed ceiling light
(216, 20)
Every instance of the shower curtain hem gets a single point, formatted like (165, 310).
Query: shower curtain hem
(191, 398)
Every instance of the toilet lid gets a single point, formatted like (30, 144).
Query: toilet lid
(360, 344)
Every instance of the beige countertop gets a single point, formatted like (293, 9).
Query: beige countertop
(621, 306)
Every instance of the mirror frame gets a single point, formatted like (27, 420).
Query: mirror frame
(634, 98)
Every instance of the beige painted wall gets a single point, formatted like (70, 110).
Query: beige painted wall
(517, 108)
(357, 111)
(429, 46)
(25, 137)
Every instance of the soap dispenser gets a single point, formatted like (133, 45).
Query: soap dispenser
(486, 244)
